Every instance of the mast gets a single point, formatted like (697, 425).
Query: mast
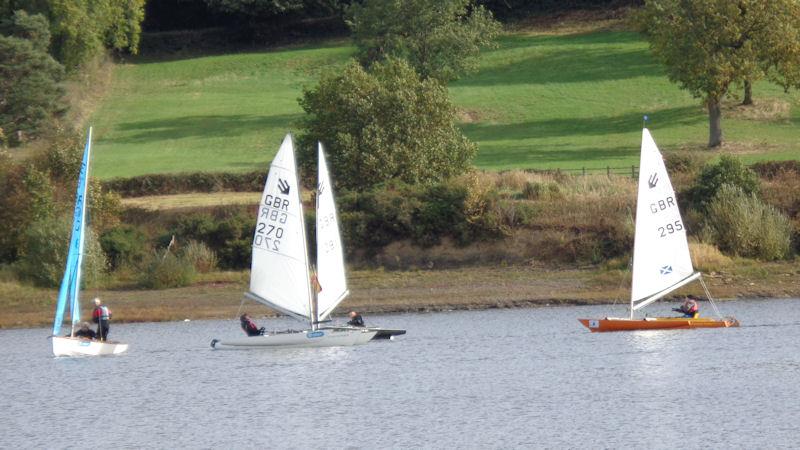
(312, 297)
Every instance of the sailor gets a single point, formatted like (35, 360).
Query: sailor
(689, 308)
(101, 316)
(249, 326)
(85, 332)
(355, 319)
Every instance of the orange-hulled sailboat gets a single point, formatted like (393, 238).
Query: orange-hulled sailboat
(661, 260)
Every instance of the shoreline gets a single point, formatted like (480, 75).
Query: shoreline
(219, 295)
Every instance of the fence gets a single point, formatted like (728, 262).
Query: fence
(632, 171)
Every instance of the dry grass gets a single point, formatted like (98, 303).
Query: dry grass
(194, 200)
(708, 258)
(768, 109)
(575, 22)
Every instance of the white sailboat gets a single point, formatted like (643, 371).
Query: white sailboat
(280, 269)
(330, 254)
(69, 292)
(661, 259)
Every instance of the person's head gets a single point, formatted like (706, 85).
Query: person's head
(244, 317)
(97, 301)
(84, 325)
(353, 314)
(693, 297)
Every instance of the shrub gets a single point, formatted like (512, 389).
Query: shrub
(745, 226)
(229, 234)
(202, 258)
(728, 170)
(163, 269)
(124, 245)
(180, 183)
(46, 250)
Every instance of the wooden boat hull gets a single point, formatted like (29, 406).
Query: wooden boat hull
(68, 346)
(304, 338)
(656, 323)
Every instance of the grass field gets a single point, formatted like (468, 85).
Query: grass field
(540, 100)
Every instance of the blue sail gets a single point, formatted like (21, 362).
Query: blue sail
(70, 284)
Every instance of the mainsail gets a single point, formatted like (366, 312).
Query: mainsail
(330, 260)
(70, 284)
(279, 275)
(661, 260)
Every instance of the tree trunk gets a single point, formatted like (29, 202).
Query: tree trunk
(748, 93)
(714, 123)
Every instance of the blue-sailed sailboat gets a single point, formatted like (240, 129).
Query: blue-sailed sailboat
(68, 294)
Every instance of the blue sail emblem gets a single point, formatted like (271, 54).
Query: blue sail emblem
(666, 270)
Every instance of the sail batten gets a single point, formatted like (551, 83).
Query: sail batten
(661, 256)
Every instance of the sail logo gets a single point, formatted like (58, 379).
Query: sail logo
(666, 270)
(320, 188)
(653, 180)
(283, 186)
(315, 334)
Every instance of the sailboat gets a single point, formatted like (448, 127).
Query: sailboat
(280, 273)
(331, 276)
(661, 259)
(69, 292)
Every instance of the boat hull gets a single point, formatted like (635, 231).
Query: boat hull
(68, 346)
(380, 333)
(305, 338)
(656, 323)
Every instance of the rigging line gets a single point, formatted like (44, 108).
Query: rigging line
(240, 307)
(710, 299)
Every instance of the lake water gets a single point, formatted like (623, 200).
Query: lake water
(488, 379)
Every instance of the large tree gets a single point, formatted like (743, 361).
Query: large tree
(381, 125)
(81, 30)
(709, 45)
(30, 89)
(439, 38)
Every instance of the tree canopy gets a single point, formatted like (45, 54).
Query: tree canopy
(439, 38)
(708, 45)
(382, 125)
(30, 89)
(81, 30)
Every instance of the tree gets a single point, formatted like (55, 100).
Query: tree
(439, 38)
(83, 30)
(707, 45)
(382, 125)
(30, 89)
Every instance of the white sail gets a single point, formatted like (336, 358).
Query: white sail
(279, 274)
(330, 258)
(661, 260)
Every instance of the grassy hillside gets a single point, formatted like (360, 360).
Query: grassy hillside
(538, 101)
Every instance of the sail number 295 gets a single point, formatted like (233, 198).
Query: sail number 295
(670, 228)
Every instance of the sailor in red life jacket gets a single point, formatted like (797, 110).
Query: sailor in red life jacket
(689, 308)
(249, 326)
(101, 316)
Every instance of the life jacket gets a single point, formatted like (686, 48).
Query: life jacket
(101, 312)
(692, 307)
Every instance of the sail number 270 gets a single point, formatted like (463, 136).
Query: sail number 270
(670, 228)
(268, 236)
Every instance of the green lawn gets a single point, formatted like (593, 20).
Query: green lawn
(538, 101)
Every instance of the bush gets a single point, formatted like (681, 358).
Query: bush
(165, 270)
(124, 245)
(728, 170)
(229, 234)
(46, 250)
(202, 258)
(745, 226)
(382, 125)
(180, 183)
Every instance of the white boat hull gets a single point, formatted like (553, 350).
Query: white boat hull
(305, 338)
(68, 346)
